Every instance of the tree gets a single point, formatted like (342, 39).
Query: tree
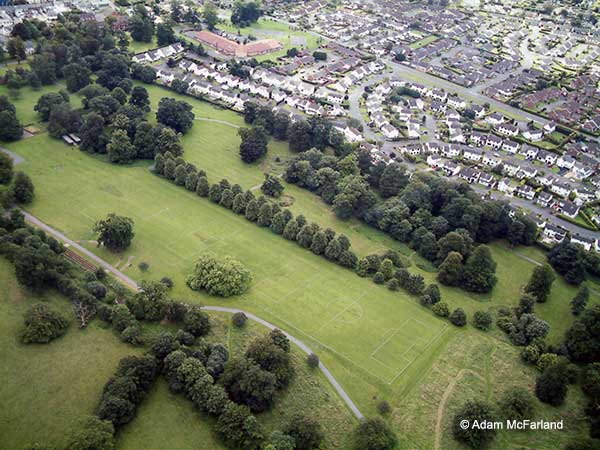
(16, 49)
(583, 337)
(239, 427)
(114, 232)
(299, 136)
(540, 283)
(77, 76)
(165, 34)
(140, 98)
(469, 413)
(272, 358)
(245, 13)
(42, 325)
(176, 114)
(320, 56)
(22, 189)
(141, 25)
(482, 320)
(451, 269)
(580, 300)
(249, 384)
(10, 127)
(225, 277)
(92, 433)
(551, 386)
(375, 434)
(47, 102)
(393, 179)
(92, 134)
(239, 319)
(6, 168)
(281, 124)
(479, 271)
(458, 317)
(254, 143)
(210, 16)
(568, 260)
(271, 186)
(306, 432)
(120, 149)
(196, 321)
(312, 360)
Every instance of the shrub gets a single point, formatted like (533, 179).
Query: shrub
(517, 404)
(379, 278)
(482, 320)
(306, 432)
(393, 284)
(546, 360)
(41, 325)
(312, 360)
(458, 317)
(383, 407)
(441, 309)
(471, 411)
(224, 277)
(132, 335)
(239, 319)
(167, 282)
(185, 338)
(551, 386)
(375, 434)
(143, 266)
(531, 354)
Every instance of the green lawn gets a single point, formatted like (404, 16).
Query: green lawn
(423, 42)
(140, 47)
(27, 99)
(46, 388)
(378, 344)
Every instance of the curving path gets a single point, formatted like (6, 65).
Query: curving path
(222, 122)
(134, 286)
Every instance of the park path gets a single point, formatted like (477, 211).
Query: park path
(16, 158)
(444, 400)
(133, 285)
(222, 122)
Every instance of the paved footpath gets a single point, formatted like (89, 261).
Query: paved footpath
(133, 285)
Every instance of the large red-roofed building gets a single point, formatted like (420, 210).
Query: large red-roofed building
(231, 48)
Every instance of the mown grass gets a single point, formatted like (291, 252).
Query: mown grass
(344, 318)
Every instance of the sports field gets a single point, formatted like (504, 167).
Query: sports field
(379, 344)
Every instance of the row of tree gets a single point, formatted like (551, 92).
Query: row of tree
(14, 187)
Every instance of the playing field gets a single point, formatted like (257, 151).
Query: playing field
(378, 343)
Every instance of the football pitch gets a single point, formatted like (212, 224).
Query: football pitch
(380, 332)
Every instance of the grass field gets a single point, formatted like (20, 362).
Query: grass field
(62, 377)
(378, 344)
(45, 388)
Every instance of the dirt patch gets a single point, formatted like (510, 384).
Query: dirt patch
(286, 201)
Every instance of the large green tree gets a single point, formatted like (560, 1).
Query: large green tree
(540, 283)
(114, 232)
(254, 143)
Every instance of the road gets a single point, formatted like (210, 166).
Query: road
(133, 285)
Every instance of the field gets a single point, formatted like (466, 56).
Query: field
(61, 377)
(378, 344)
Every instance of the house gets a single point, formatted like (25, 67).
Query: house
(510, 146)
(553, 234)
(413, 130)
(507, 129)
(582, 171)
(450, 169)
(533, 134)
(505, 185)
(470, 175)
(491, 160)
(477, 138)
(456, 102)
(529, 151)
(389, 131)
(550, 127)
(566, 162)
(525, 191)
(494, 141)
(545, 200)
(450, 151)
(495, 119)
(569, 209)
(472, 154)
(487, 180)
(560, 189)
(413, 150)
(547, 157)
(434, 161)
(511, 167)
(478, 110)
(586, 243)
(352, 135)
